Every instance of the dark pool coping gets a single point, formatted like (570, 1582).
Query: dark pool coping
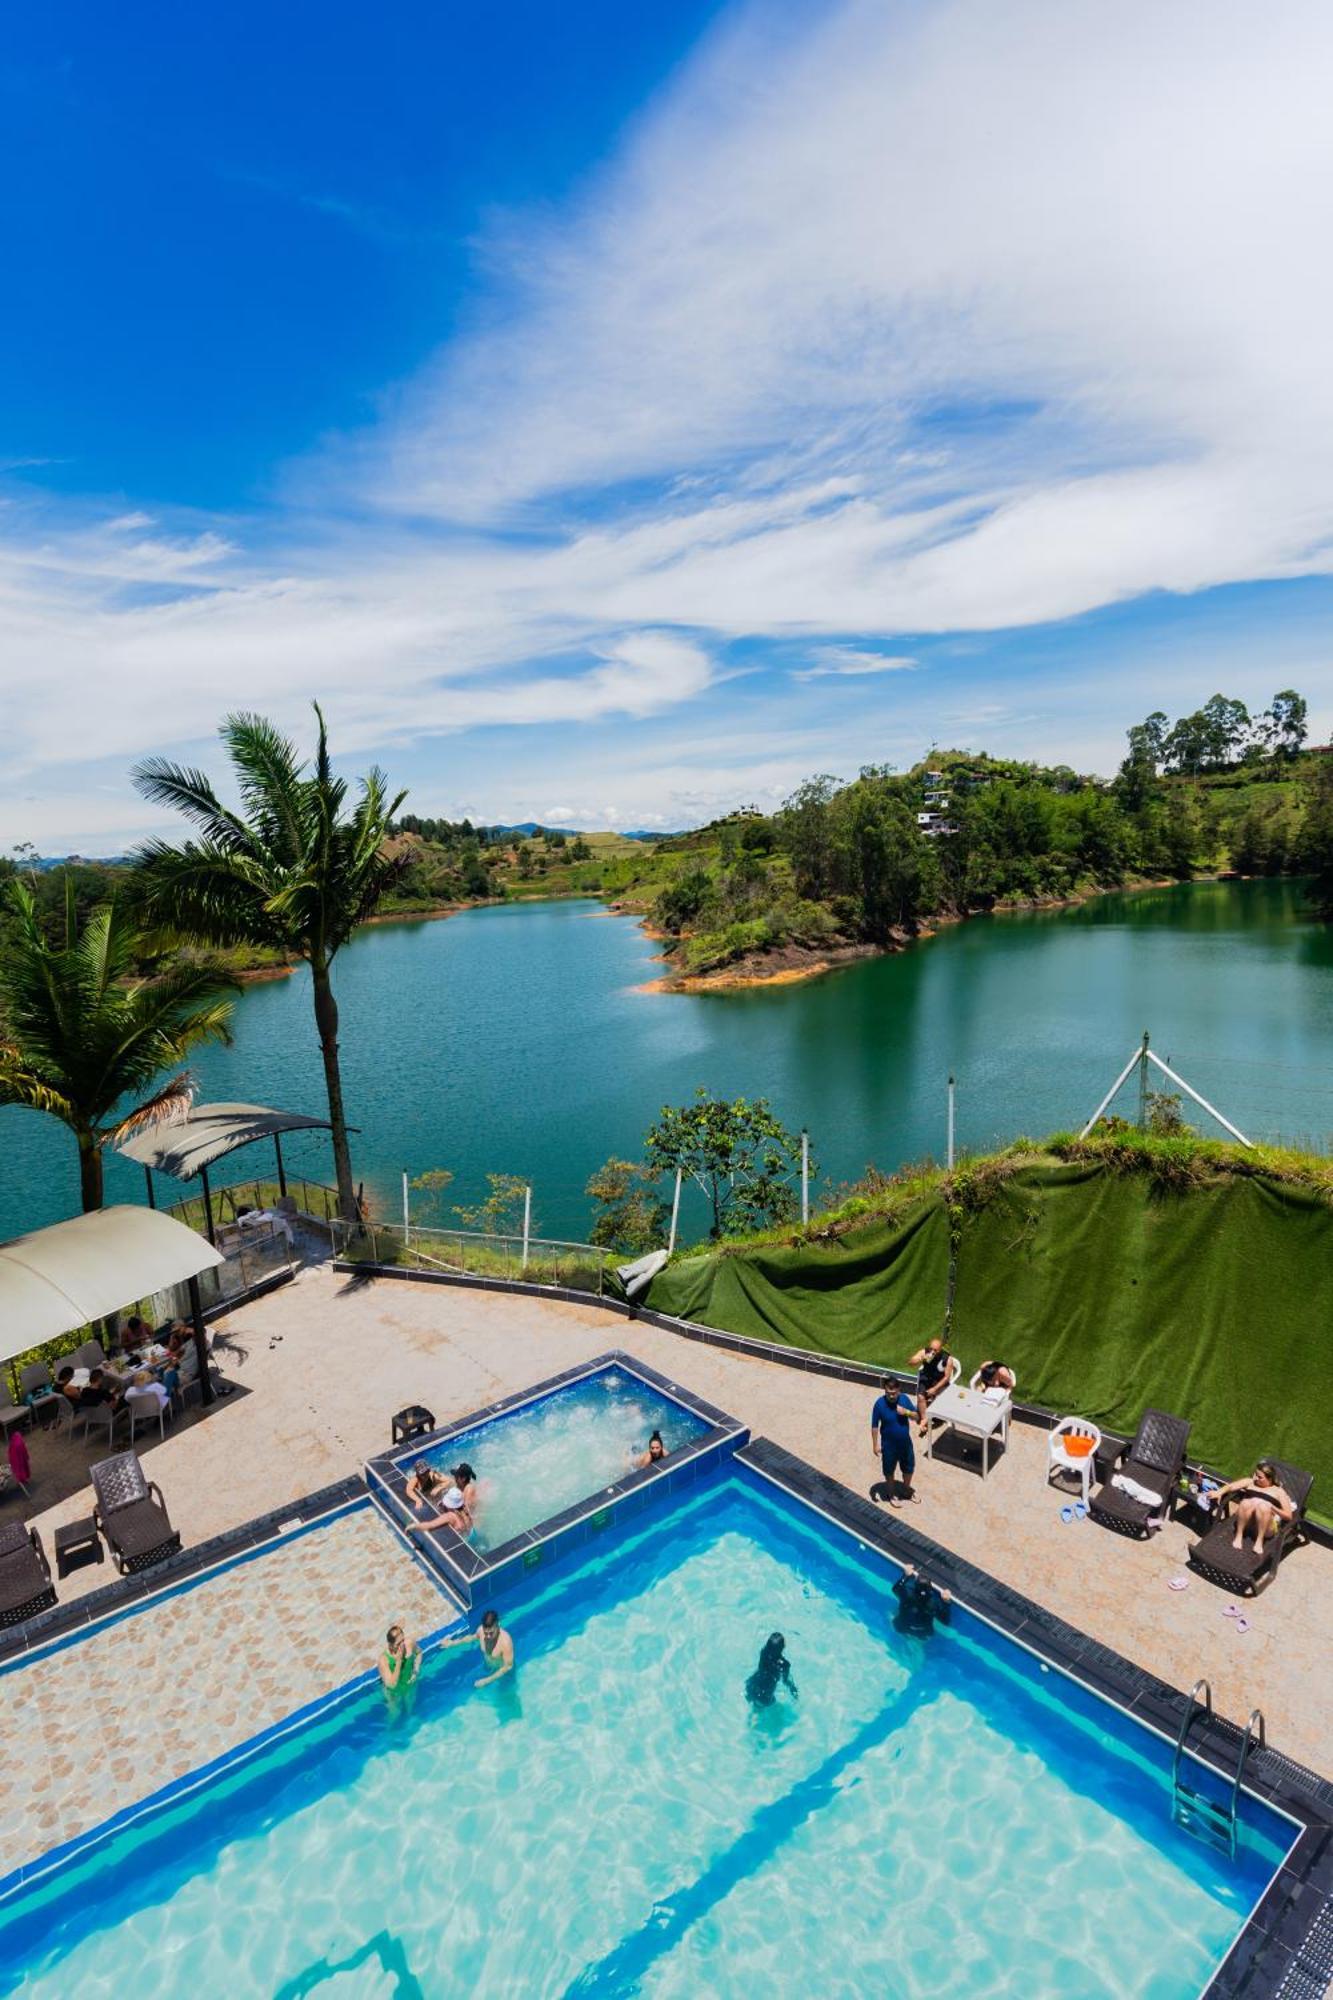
(1286, 1945)
(806, 1359)
(477, 1577)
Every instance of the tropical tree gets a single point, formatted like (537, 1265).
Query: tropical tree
(630, 1213)
(293, 869)
(80, 1032)
(738, 1153)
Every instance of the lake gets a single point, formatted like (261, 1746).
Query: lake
(515, 1040)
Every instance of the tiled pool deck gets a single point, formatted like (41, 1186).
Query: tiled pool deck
(328, 1360)
(138, 1703)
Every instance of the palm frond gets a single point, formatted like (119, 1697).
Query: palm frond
(188, 792)
(169, 1106)
(269, 776)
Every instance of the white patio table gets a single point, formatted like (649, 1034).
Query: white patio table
(969, 1412)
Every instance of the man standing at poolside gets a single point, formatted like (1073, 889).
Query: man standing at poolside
(497, 1648)
(891, 1438)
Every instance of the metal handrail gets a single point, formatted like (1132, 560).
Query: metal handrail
(1249, 1738)
(1186, 1720)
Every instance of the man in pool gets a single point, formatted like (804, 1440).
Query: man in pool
(497, 1648)
(920, 1604)
(891, 1439)
(773, 1671)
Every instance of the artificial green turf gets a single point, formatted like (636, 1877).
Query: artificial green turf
(1104, 1290)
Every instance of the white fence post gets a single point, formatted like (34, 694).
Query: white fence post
(527, 1223)
(675, 1216)
(407, 1211)
(805, 1179)
(950, 1124)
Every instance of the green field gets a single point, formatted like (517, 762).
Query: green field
(1173, 1275)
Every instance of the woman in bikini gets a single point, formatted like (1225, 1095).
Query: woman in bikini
(1266, 1503)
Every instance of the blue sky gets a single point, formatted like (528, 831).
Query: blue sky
(615, 417)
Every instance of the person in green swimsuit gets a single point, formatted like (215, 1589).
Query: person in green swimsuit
(399, 1663)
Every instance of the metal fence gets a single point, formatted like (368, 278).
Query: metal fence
(580, 1267)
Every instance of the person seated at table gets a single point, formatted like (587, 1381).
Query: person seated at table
(146, 1384)
(136, 1336)
(934, 1372)
(66, 1385)
(98, 1390)
(1266, 1503)
(995, 1381)
(425, 1486)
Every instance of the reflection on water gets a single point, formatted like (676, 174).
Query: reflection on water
(513, 1040)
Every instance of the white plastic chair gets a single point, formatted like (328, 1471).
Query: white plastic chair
(145, 1408)
(1059, 1459)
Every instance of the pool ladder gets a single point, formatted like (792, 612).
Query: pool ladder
(1193, 1809)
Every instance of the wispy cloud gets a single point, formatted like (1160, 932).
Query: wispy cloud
(900, 322)
(838, 662)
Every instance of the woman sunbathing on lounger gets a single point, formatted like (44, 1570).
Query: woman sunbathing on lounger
(1266, 1503)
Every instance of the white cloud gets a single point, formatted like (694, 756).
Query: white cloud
(894, 320)
(847, 662)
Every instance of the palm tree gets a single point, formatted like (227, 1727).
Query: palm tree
(291, 870)
(79, 1032)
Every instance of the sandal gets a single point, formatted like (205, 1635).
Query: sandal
(1177, 1583)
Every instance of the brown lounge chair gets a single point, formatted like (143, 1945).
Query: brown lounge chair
(132, 1514)
(1249, 1570)
(1155, 1459)
(25, 1575)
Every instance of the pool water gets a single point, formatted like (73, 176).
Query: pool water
(549, 1455)
(926, 1817)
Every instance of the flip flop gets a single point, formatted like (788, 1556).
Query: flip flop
(1066, 1514)
(1080, 1511)
(1242, 1623)
(1232, 1611)
(1177, 1583)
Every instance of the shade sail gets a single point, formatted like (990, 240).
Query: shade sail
(60, 1278)
(209, 1133)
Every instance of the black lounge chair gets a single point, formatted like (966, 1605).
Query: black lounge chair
(1249, 1570)
(1154, 1459)
(25, 1575)
(132, 1514)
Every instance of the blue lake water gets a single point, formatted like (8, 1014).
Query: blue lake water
(922, 1817)
(517, 1040)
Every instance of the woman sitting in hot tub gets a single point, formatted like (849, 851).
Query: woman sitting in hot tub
(457, 1501)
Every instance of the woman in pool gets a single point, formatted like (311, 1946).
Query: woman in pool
(773, 1671)
(425, 1485)
(1266, 1503)
(655, 1453)
(399, 1663)
(454, 1512)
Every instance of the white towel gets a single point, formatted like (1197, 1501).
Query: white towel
(1134, 1491)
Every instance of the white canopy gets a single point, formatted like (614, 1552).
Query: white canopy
(56, 1279)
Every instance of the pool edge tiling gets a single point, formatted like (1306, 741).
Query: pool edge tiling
(1284, 1950)
(477, 1576)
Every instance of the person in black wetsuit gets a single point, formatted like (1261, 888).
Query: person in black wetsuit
(920, 1604)
(772, 1672)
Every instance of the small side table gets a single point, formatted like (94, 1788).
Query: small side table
(77, 1543)
(1187, 1505)
(415, 1421)
(1106, 1458)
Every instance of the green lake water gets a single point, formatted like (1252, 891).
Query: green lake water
(515, 1040)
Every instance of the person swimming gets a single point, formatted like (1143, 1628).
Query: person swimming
(772, 1672)
(919, 1604)
(655, 1453)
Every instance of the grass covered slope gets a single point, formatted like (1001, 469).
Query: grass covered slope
(1110, 1274)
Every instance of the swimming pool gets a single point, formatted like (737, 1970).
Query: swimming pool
(927, 1816)
(549, 1459)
